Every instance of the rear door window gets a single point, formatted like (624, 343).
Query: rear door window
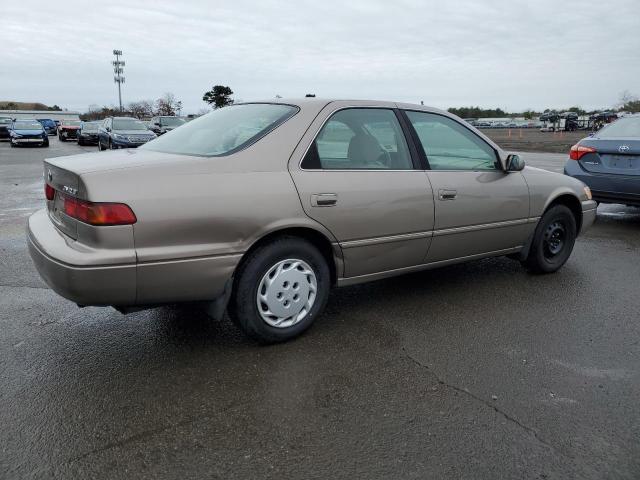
(360, 139)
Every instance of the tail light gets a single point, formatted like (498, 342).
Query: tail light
(101, 214)
(579, 151)
(49, 191)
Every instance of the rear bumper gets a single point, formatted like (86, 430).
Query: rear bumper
(607, 188)
(53, 253)
(80, 274)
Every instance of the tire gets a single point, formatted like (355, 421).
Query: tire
(99, 146)
(80, 142)
(110, 145)
(553, 241)
(61, 139)
(46, 143)
(13, 145)
(278, 258)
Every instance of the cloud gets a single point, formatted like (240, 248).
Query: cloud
(507, 54)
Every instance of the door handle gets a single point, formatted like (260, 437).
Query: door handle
(324, 199)
(447, 194)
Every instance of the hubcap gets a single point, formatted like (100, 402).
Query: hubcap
(286, 293)
(554, 239)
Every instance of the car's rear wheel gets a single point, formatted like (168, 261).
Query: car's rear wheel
(553, 240)
(45, 143)
(279, 290)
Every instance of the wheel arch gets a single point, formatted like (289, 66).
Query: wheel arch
(565, 198)
(321, 240)
(570, 201)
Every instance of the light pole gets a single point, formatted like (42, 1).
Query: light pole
(118, 69)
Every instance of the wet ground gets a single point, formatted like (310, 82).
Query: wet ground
(471, 371)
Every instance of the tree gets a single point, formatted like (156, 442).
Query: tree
(310, 95)
(141, 109)
(629, 102)
(577, 110)
(219, 96)
(55, 108)
(168, 105)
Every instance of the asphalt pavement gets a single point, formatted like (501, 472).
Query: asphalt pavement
(471, 371)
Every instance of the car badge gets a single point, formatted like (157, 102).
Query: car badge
(623, 148)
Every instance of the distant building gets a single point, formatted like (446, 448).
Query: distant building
(51, 114)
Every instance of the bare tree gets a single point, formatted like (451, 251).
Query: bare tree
(141, 109)
(168, 105)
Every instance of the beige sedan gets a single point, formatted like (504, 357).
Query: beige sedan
(260, 208)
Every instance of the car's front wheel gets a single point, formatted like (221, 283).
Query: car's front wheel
(279, 290)
(553, 240)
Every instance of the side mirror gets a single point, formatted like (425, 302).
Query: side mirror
(514, 163)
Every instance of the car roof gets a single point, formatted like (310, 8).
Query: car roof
(321, 102)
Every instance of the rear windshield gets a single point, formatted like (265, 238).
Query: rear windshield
(223, 131)
(90, 127)
(28, 125)
(171, 121)
(622, 128)
(5, 120)
(128, 124)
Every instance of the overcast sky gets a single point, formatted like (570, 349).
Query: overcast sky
(510, 54)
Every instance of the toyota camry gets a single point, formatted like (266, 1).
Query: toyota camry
(259, 209)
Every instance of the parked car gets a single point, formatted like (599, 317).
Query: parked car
(5, 127)
(49, 126)
(88, 133)
(68, 130)
(260, 208)
(608, 161)
(28, 132)
(123, 132)
(164, 124)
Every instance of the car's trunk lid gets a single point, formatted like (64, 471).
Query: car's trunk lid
(618, 156)
(64, 182)
(111, 160)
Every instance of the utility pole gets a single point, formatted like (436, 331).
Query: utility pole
(118, 69)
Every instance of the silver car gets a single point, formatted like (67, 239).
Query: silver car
(259, 209)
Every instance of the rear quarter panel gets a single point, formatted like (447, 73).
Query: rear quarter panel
(203, 213)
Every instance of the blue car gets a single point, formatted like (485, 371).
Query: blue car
(28, 132)
(123, 132)
(608, 161)
(49, 126)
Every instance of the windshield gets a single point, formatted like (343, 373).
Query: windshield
(5, 120)
(27, 125)
(171, 121)
(128, 124)
(71, 123)
(622, 128)
(224, 130)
